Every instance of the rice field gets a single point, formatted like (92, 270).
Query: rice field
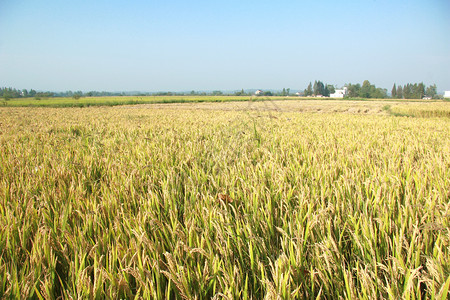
(324, 200)
(118, 100)
(133, 100)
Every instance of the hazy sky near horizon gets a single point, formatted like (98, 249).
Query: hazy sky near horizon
(178, 45)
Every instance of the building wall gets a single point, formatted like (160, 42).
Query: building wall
(447, 94)
(337, 95)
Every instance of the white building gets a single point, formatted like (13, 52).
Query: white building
(447, 94)
(339, 93)
(258, 92)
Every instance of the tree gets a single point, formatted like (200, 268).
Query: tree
(326, 92)
(353, 90)
(283, 93)
(9, 93)
(308, 91)
(378, 93)
(419, 90)
(331, 88)
(394, 91)
(371, 91)
(413, 91)
(399, 92)
(240, 93)
(431, 91)
(288, 90)
(407, 91)
(268, 93)
(364, 92)
(319, 88)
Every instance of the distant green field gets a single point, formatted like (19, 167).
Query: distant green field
(119, 100)
(132, 100)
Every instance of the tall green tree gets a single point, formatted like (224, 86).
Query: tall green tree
(308, 91)
(326, 92)
(419, 90)
(407, 91)
(394, 91)
(319, 88)
(399, 92)
(331, 88)
(353, 90)
(431, 91)
(379, 93)
(365, 89)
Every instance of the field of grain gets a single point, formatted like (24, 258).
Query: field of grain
(194, 99)
(118, 100)
(194, 202)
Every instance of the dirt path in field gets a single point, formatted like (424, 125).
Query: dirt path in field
(316, 106)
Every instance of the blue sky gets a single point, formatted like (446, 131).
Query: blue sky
(221, 45)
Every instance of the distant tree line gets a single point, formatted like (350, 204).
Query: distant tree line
(9, 93)
(414, 91)
(78, 94)
(366, 90)
(319, 89)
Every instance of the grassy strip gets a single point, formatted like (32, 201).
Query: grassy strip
(129, 100)
(418, 112)
(115, 101)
